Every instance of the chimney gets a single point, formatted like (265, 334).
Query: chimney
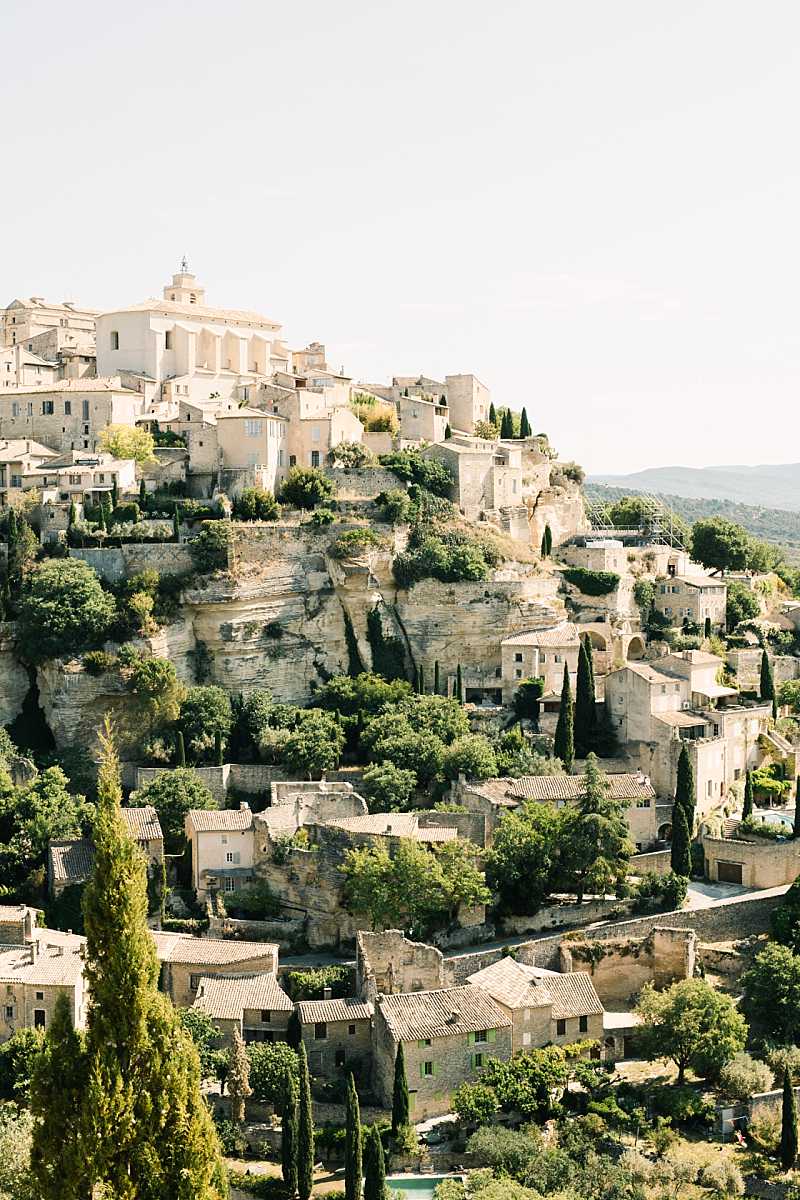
(244, 805)
(451, 1020)
(327, 993)
(34, 950)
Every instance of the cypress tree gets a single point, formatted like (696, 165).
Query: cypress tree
(400, 1101)
(374, 1167)
(114, 493)
(294, 1035)
(238, 1077)
(57, 1087)
(680, 855)
(448, 433)
(459, 685)
(796, 825)
(548, 534)
(684, 788)
(180, 749)
(492, 413)
(544, 545)
(144, 1128)
(564, 744)
(436, 681)
(525, 430)
(747, 809)
(289, 1133)
(12, 531)
(767, 682)
(305, 1131)
(507, 425)
(788, 1147)
(102, 521)
(219, 757)
(707, 627)
(73, 514)
(352, 1157)
(142, 493)
(585, 709)
(176, 524)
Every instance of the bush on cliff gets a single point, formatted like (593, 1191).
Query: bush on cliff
(591, 583)
(306, 487)
(64, 610)
(209, 550)
(256, 504)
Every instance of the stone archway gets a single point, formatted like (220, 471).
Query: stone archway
(597, 639)
(635, 650)
(665, 832)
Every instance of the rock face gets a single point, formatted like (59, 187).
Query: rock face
(75, 704)
(14, 682)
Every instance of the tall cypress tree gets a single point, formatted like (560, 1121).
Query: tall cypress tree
(564, 744)
(57, 1087)
(747, 808)
(176, 526)
(400, 1100)
(548, 539)
(353, 1173)
(525, 430)
(238, 1077)
(73, 514)
(180, 749)
(144, 1128)
(289, 1133)
(544, 546)
(142, 492)
(788, 1147)
(768, 682)
(585, 706)
(374, 1167)
(294, 1033)
(680, 854)
(305, 1131)
(114, 493)
(796, 825)
(459, 684)
(492, 413)
(436, 681)
(684, 788)
(507, 425)
(448, 433)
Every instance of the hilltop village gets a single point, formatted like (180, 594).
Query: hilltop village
(453, 795)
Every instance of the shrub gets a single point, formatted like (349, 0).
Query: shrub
(97, 662)
(723, 1178)
(256, 901)
(269, 1062)
(306, 487)
(321, 517)
(354, 541)
(127, 513)
(683, 1106)
(256, 504)
(351, 454)
(428, 473)
(206, 713)
(310, 984)
(397, 506)
(669, 889)
(744, 1075)
(64, 610)
(209, 550)
(591, 583)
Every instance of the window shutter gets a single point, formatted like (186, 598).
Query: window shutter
(470, 1039)
(421, 1043)
(422, 1070)
(435, 1069)
(491, 1035)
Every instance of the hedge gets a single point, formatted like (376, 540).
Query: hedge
(591, 583)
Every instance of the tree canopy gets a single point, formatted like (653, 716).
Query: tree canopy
(690, 1024)
(172, 794)
(128, 441)
(63, 611)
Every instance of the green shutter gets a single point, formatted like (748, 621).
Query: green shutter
(435, 1071)
(491, 1034)
(422, 1070)
(421, 1043)
(470, 1039)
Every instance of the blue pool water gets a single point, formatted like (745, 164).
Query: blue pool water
(417, 1187)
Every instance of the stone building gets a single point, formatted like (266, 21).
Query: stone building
(446, 1037)
(754, 863)
(337, 1035)
(544, 1006)
(33, 974)
(254, 445)
(422, 420)
(468, 400)
(17, 923)
(254, 1005)
(20, 367)
(85, 478)
(69, 414)
(486, 475)
(319, 418)
(692, 599)
(25, 319)
(540, 653)
(388, 963)
(186, 960)
(221, 842)
(621, 967)
(18, 459)
(70, 860)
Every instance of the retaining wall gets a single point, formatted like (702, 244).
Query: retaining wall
(656, 861)
(113, 564)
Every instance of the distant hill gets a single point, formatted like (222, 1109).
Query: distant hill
(775, 487)
(767, 524)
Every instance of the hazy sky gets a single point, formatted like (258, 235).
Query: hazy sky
(591, 204)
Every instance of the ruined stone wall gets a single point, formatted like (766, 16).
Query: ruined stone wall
(117, 563)
(620, 969)
(390, 963)
(746, 666)
(366, 482)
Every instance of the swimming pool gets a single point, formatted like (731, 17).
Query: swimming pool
(417, 1187)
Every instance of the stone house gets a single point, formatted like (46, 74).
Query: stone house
(186, 960)
(486, 475)
(469, 401)
(222, 845)
(254, 1005)
(543, 1006)
(422, 419)
(621, 967)
(757, 863)
(20, 367)
(337, 1035)
(446, 1035)
(249, 441)
(692, 599)
(68, 414)
(85, 478)
(70, 861)
(540, 653)
(33, 975)
(319, 415)
(25, 319)
(17, 923)
(18, 458)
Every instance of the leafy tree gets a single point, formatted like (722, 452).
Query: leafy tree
(238, 1078)
(525, 430)
(18, 1057)
(767, 683)
(305, 1131)
(34, 814)
(158, 693)
(134, 1045)
(374, 1166)
(306, 487)
(210, 550)
(205, 712)
(788, 1146)
(475, 1104)
(721, 545)
(387, 788)
(205, 1034)
(63, 611)
(743, 1075)
(741, 604)
(585, 702)
(351, 454)
(400, 1100)
(289, 1132)
(128, 441)
(256, 504)
(471, 756)
(596, 848)
(439, 715)
(529, 1083)
(690, 1024)
(527, 699)
(172, 794)
(315, 744)
(428, 474)
(684, 787)
(772, 992)
(521, 861)
(785, 919)
(352, 1154)
(563, 746)
(311, 983)
(17, 1180)
(269, 1064)
(747, 809)
(422, 753)
(680, 854)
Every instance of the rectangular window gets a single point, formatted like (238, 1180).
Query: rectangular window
(85, 417)
(561, 1028)
(16, 481)
(517, 658)
(40, 995)
(67, 408)
(315, 433)
(315, 458)
(230, 885)
(477, 1060)
(9, 1012)
(583, 1024)
(14, 408)
(518, 672)
(168, 340)
(266, 1015)
(30, 408)
(114, 338)
(48, 408)
(320, 1031)
(233, 856)
(39, 1018)
(292, 460)
(427, 1069)
(252, 428)
(194, 983)
(351, 1029)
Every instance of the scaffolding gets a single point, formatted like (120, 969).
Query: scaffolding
(657, 524)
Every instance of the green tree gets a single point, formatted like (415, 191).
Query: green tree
(525, 430)
(374, 1166)
(596, 849)
(352, 1154)
(205, 1035)
(690, 1024)
(205, 712)
(387, 788)
(543, 547)
(506, 425)
(294, 1030)
(788, 1146)
(684, 787)
(459, 684)
(527, 699)
(475, 1104)
(585, 702)
(290, 1132)
(17, 1180)
(305, 1131)
(63, 611)
(57, 1087)
(680, 851)
(772, 993)
(492, 414)
(210, 550)
(306, 487)
(471, 756)
(173, 794)
(256, 504)
(238, 1078)
(521, 861)
(18, 1056)
(747, 808)
(548, 541)
(721, 545)
(564, 746)
(142, 492)
(448, 432)
(400, 1100)
(315, 744)
(128, 441)
(270, 1062)
(135, 1049)
(741, 604)
(767, 682)
(180, 748)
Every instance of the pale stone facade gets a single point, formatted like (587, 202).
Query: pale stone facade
(621, 968)
(542, 654)
(81, 476)
(254, 444)
(33, 974)
(26, 319)
(758, 863)
(69, 414)
(19, 367)
(185, 961)
(693, 599)
(253, 1005)
(543, 1006)
(18, 459)
(468, 400)
(337, 1035)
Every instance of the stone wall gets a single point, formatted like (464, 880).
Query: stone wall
(567, 915)
(286, 931)
(620, 969)
(366, 482)
(252, 779)
(656, 862)
(117, 563)
(746, 666)
(390, 963)
(763, 863)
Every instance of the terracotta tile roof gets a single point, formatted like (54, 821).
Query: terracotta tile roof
(220, 820)
(565, 634)
(448, 1012)
(12, 912)
(183, 948)
(394, 824)
(626, 786)
(70, 861)
(573, 995)
(515, 984)
(226, 997)
(349, 1009)
(53, 964)
(143, 823)
(107, 383)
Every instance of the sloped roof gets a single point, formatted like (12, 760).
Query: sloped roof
(227, 996)
(183, 948)
(573, 996)
(447, 1012)
(50, 964)
(104, 383)
(175, 307)
(565, 634)
(514, 984)
(627, 786)
(143, 823)
(394, 824)
(71, 861)
(220, 820)
(350, 1009)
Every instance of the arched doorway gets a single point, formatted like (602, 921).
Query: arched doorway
(635, 648)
